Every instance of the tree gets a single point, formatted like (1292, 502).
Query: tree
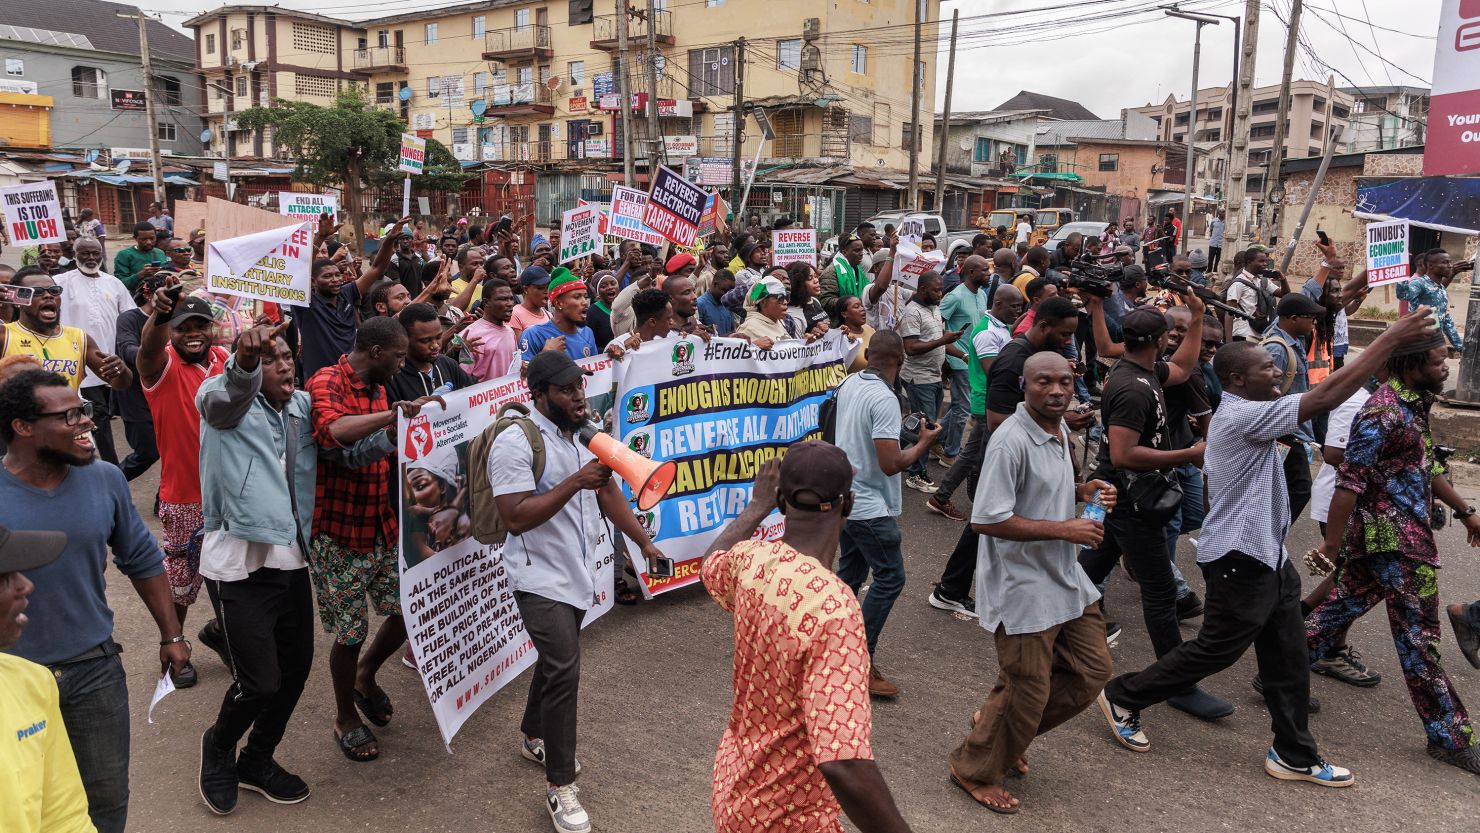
(348, 144)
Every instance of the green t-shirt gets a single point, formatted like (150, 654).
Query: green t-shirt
(127, 263)
(962, 309)
(985, 340)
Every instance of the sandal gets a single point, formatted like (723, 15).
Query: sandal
(1009, 810)
(354, 739)
(376, 707)
(625, 595)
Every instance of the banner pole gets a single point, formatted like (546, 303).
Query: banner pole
(406, 197)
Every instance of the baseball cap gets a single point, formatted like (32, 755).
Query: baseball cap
(1298, 303)
(190, 307)
(815, 476)
(1143, 324)
(749, 248)
(534, 275)
(552, 368)
(22, 550)
(768, 286)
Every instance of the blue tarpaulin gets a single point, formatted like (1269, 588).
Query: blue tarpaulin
(1438, 202)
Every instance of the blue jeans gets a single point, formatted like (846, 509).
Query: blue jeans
(94, 701)
(954, 424)
(924, 397)
(873, 545)
(1189, 518)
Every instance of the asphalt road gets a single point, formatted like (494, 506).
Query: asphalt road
(656, 692)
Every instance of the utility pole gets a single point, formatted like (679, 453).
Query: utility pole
(1189, 180)
(1238, 155)
(1315, 186)
(945, 124)
(1277, 153)
(916, 83)
(655, 134)
(737, 122)
(624, 95)
(156, 168)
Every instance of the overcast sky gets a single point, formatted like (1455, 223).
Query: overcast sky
(1107, 54)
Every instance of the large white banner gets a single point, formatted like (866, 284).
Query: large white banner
(719, 409)
(270, 265)
(464, 627)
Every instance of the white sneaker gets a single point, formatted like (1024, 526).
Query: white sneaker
(1320, 773)
(921, 483)
(566, 812)
(533, 749)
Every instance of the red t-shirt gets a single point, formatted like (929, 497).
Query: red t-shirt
(177, 423)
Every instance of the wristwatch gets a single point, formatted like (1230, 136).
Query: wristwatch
(1469, 510)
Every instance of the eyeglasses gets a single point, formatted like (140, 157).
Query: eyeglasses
(182, 249)
(47, 290)
(71, 416)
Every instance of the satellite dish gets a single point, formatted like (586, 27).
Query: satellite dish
(479, 107)
(553, 83)
(405, 93)
(205, 136)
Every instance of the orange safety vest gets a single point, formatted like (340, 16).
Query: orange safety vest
(1318, 363)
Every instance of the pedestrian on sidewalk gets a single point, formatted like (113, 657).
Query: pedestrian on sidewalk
(1032, 595)
(796, 749)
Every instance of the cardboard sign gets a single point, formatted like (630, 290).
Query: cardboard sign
(910, 263)
(308, 206)
(270, 265)
(603, 220)
(674, 207)
(1387, 252)
(580, 233)
(709, 222)
(794, 246)
(628, 207)
(413, 154)
(33, 215)
(912, 228)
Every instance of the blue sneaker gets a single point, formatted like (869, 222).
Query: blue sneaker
(1321, 773)
(1126, 725)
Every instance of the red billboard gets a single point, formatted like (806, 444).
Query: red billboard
(1452, 144)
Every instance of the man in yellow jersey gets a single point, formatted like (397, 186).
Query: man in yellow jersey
(40, 789)
(66, 351)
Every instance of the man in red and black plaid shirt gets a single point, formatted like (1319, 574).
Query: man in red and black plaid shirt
(354, 528)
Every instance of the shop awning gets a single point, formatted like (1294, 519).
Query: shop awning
(1442, 203)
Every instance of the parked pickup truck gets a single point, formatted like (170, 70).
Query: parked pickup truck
(953, 243)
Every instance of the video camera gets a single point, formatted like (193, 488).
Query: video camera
(1162, 277)
(1091, 277)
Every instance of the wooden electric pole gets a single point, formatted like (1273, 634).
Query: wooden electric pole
(737, 120)
(624, 94)
(945, 124)
(155, 166)
(1272, 182)
(916, 90)
(1238, 157)
(655, 133)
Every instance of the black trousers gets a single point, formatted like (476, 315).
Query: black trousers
(1248, 604)
(1298, 481)
(550, 711)
(140, 436)
(1215, 256)
(268, 620)
(955, 580)
(1144, 545)
(101, 397)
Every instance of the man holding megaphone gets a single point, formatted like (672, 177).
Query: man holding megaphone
(553, 520)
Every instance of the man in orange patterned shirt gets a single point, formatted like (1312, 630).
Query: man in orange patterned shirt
(796, 751)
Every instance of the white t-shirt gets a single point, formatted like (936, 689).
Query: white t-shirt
(882, 314)
(225, 557)
(1023, 230)
(1338, 428)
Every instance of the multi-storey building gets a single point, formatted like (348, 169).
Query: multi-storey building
(1312, 118)
(1384, 118)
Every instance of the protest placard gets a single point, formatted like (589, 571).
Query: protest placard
(911, 228)
(271, 265)
(33, 215)
(457, 596)
(719, 409)
(1387, 252)
(628, 207)
(603, 215)
(580, 233)
(910, 263)
(307, 206)
(413, 154)
(794, 246)
(674, 207)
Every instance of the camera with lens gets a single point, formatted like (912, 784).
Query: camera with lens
(1090, 277)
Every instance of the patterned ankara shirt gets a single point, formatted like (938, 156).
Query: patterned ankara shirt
(351, 506)
(1425, 291)
(801, 689)
(1390, 465)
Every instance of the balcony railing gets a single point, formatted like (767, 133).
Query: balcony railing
(595, 149)
(380, 58)
(531, 97)
(526, 42)
(605, 31)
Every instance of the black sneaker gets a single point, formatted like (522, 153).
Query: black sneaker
(941, 601)
(214, 638)
(1313, 708)
(270, 780)
(218, 780)
(1189, 607)
(1201, 704)
(1112, 632)
(1467, 759)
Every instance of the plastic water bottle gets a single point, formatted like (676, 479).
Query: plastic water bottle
(1093, 511)
(446, 388)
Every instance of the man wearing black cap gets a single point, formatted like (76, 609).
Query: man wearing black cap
(796, 749)
(173, 360)
(1379, 526)
(554, 525)
(1137, 452)
(1253, 587)
(43, 791)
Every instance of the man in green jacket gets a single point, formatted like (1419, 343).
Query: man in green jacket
(844, 277)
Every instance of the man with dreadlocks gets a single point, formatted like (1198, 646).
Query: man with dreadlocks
(1379, 524)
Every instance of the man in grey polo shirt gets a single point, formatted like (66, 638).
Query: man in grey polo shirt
(1253, 587)
(553, 525)
(1031, 592)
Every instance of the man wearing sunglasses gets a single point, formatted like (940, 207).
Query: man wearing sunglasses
(92, 302)
(65, 351)
(48, 482)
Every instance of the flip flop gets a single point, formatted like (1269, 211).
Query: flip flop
(1001, 811)
(376, 707)
(627, 596)
(359, 736)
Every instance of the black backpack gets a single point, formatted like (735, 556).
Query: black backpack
(1263, 306)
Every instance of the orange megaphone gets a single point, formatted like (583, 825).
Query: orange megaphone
(649, 479)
